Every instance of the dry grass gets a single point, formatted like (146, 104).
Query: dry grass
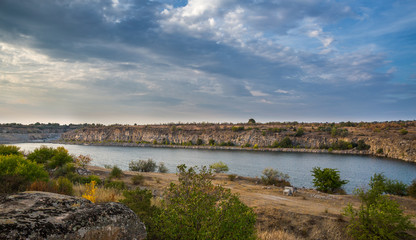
(102, 194)
(275, 235)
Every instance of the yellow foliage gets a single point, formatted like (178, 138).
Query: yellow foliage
(90, 191)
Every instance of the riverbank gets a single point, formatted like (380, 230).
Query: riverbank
(308, 214)
(392, 140)
(229, 148)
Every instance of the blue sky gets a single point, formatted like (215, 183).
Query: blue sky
(215, 61)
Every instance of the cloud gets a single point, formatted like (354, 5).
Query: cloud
(142, 56)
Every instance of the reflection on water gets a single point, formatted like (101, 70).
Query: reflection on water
(356, 169)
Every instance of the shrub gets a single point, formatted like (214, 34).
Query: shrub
(64, 186)
(9, 150)
(362, 146)
(379, 151)
(162, 168)
(15, 165)
(87, 179)
(82, 161)
(143, 165)
(90, 192)
(256, 146)
(232, 177)
(116, 172)
(237, 128)
(42, 154)
(377, 218)
(199, 142)
(140, 202)
(403, 132)
(66, 170)
(211, 142)
(43, 186)
(119, 185)
(382, 184)
(411, 189)
(13, 183)
(137, 179)
(286, 143)
(274, 177)
(300, 132)
(251, 121)
(219, 167)
(108, 166)
(59, 159)
(327, 180)
(196, 209)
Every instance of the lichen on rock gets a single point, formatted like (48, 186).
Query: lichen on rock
(42, 215)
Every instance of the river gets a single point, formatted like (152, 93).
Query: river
(354, 168)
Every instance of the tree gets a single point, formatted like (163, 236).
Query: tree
(251, 121)
(9, 150)
(274, 177)
(143, 165)
(378, 217)
(327, 180)
(219, 167)
(196, 209)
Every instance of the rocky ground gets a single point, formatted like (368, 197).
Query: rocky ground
(306, 215)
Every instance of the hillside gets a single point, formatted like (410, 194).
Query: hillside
(387, 139)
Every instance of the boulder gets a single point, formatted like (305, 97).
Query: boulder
(43, 215)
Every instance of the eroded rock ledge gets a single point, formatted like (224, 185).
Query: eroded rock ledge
(42, 215)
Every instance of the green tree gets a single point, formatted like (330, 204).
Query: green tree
(327, 180)
(251, 121)
(219, 167)
(9, 150)
(143, 165)
(196, 209)
(274, 177)
(378, 217)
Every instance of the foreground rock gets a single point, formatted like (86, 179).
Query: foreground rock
(42, 215)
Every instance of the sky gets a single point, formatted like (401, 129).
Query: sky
(160, 61)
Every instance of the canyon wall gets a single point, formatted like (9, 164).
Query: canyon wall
(258, 136)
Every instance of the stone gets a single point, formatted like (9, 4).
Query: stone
(43, 215)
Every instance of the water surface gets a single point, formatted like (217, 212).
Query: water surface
(354, 168)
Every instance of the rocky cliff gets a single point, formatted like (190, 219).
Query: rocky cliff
(42, 215)
(389, 142)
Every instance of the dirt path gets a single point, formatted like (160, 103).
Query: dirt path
(319, 211)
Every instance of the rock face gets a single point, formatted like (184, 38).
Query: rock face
(42, 215)
(388, 144)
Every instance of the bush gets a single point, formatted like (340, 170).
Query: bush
(199, 142)
(143, 165)
(119, 185)
(251, 121)
(327, 180)
(162, 168)
(237, 128)
(286, 143)
(42, 154)
(300, 132)
(87, 179)
(362, 146)
(15, 165)
(82, 161)
(274, 177)
(12, 184)
(140, 202)
(9, 150)
(116, 172)
(211, 142)
(196, 209)
(64, 186)
(377, 218)
(137, 179)
(382, 184)
(411, 189)
(219, 167)
(403, 132)
(232, 177)
(60, 158)
(66, 170)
